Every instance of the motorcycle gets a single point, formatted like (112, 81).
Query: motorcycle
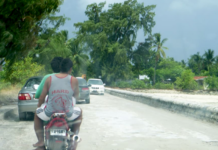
(58, 135)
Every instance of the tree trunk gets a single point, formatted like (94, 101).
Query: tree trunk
(1, 59)
(155, 72)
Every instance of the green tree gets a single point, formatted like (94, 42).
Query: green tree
(111, 35)
(183, 63)
(20, 24)
(79, 57)
(142, 57)
(196, 63)
(214, 70)
(168, 68)
(46, 51)
(159, 50)
(209, 58)
(212, 83)
(186, 81)
(21, 70)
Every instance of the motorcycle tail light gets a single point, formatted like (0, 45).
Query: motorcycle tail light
(24, 96)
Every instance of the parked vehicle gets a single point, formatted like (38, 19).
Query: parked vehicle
(58, 135)
(96, 86)
(84, 93)
(27, 103)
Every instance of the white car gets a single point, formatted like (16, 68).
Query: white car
(96, 86)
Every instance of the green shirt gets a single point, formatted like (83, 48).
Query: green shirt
(41, 86)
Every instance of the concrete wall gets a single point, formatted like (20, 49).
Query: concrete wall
(193, 110)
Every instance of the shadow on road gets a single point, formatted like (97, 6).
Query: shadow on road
(12, 115)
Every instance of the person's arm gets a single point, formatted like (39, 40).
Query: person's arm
(44, 92)
(75, 85)
(40, 88)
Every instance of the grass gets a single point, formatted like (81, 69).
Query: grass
(9, 95)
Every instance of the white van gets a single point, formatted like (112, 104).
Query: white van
(96, 86)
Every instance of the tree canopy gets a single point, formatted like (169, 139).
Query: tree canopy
(20, 24)
(111, 35)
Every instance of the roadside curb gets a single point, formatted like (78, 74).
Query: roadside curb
(198, 111)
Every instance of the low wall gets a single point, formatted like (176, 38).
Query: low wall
(193, 110)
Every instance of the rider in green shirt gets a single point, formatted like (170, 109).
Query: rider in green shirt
(55, 65)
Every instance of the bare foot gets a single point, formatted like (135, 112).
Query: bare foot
(39, 144)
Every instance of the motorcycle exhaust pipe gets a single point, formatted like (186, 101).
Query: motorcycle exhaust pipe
(76, 138)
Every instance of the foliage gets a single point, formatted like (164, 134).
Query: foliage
(169, 69)
(164, 86)
(20, 25)
(214, 70)
(199, 64)
(149, 72)
(142, 57)
(21, 70)
(138, 84)
(195, 63)
(159, 51)
(113, 84)
(111, 34)
(212, 83)
(56, 47)
(4, 85)
(186, 81)
(79, 57)
(123, 84)
(209, 59)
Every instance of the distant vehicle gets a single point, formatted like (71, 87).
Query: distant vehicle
(26, 97)
(83, 90)
(96, 86)
(84, 76)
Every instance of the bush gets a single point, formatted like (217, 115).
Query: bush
(123, 84)
(113, 84)
(4, 85)
(212, 83)
(186, 81)
(163, 86)
(138, 84)
(21, 70)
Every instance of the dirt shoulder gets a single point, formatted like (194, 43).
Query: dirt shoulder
(9, 96)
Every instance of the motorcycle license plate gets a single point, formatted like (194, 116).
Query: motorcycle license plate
(58, 132)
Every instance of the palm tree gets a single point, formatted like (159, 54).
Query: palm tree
(209, 58)
(159, 50)
(198, 60)
(78, 55)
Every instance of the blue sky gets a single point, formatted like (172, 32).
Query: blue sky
(190, 26)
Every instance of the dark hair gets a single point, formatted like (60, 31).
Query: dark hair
(66, 64)
(55, 64)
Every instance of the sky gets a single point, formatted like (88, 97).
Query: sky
(190, 26)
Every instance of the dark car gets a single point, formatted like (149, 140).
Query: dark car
(26, 97)
(83, 90)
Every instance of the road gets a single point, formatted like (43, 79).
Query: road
(113, 123)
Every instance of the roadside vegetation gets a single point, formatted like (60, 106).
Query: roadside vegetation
(104, 45)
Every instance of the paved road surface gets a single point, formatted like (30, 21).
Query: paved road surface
(112, 123)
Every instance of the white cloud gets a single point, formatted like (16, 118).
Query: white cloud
(192, 5)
